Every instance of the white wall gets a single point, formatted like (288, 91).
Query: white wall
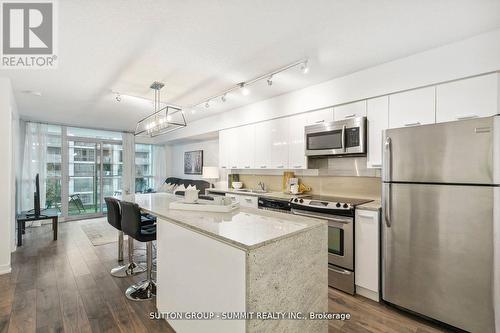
(175, 157)
(476, 55)
(9, 124)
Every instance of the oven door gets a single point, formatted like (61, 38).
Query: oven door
(341, 242)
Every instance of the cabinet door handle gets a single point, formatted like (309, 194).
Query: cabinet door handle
(413, 124)
(365, 216)
(280, 166)
(233, 167)
(248, 200)
(350, 116)
(247, 167)
(263, 166)
(319, 121)
(297, 166)
(472, 116)
(223, 167)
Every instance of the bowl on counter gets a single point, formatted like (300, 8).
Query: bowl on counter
(237, 185)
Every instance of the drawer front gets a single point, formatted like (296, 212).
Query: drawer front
(244, 200)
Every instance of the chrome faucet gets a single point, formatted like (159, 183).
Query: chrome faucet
(262, 186)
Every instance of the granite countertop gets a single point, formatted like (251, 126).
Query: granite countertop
(372, 205)
(272, 195)
(244, 228)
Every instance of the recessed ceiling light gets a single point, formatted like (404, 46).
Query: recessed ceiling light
(32, 92)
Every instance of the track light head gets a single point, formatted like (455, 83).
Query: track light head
(207, 105)
(305, 67)
(118, 97)
(270, 81)
(244, 90)
(223, 98)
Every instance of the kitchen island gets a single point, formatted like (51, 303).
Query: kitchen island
(248, 262)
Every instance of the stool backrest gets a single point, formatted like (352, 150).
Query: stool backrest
(131, 219)
(114, 215)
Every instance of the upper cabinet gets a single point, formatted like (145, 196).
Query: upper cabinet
(469, 98)
(378, 121)
(279, 143)
(224, 149)
(245, 143)
(319, 116)
(263, 145)
(412, 108)
(351, 110)
(296, 149)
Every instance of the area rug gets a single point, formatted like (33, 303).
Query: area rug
(99, 232)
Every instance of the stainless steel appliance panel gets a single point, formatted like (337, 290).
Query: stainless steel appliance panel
(438, 252)
(342, 137)
(455, 152)
(341, 279)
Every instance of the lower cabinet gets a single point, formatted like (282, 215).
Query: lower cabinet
(244, 200)
(367, 253)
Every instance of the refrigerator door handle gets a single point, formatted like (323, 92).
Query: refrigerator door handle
(387, 177)
(387, 204)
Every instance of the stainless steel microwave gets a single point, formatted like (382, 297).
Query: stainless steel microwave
(343, 137)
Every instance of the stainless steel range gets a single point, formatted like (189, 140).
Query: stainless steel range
(339, 213)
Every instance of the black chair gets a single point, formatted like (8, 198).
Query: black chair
(132, 226)
(115, 219)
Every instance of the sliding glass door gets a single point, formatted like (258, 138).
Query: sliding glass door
(94, 172)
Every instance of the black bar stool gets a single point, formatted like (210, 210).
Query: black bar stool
(115, 219)
(132, 226)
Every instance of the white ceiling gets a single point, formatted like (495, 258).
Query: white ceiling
(199, 48)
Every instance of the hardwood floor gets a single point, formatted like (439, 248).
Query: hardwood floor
(65, 286)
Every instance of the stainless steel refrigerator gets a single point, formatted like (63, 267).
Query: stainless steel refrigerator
(441, 222)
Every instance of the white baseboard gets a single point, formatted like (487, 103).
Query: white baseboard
(5, 269)
(373, 295)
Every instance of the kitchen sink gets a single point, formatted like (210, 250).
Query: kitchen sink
(247, 190)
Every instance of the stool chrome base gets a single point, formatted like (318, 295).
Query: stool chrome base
(130, 269)
(141, 291)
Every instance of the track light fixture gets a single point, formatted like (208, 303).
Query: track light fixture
(243, 87)
(118, 97)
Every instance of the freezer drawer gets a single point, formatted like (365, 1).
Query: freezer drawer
(438, 252)
(462, 152)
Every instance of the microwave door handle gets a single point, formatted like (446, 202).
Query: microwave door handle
(343, 138)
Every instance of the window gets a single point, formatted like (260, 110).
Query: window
(143, 167)
(53, 168)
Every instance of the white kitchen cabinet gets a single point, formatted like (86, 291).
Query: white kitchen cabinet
(377, 111)
(244, 200)
(351, 110)
(244, 138)
(279, 143)
(468, 98)
(232, 148)
(367, 254)
(319, 116)
(296, 149)
(224, 149)
(412, 108)
(263, 143)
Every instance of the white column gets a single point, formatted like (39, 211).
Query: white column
(7, 173)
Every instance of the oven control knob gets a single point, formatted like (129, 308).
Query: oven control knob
(296, 200)
(338, 205)
(301, 200)
(346, 206)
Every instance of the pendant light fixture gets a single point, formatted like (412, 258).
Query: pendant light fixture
(162, 120)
